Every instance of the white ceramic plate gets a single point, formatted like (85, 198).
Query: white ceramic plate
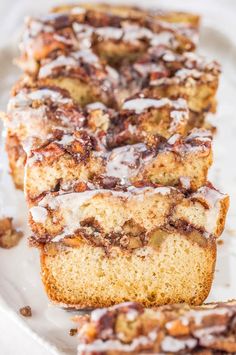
(20, 283)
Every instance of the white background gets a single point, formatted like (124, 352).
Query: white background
(14, 339)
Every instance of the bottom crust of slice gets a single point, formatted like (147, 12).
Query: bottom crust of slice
(178, 269)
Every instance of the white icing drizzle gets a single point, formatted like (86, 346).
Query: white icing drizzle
(87, 55)
(23, 99)
(122, 305)
(131, 33)
(36, 26)
(141, 104)
(124, 162)
(163, 38)
(36, 157)
(39, 214)
(185, 73)
(179, 118)
(113, 74)
(97, 314)
(213, 198)
(170, 57)
(68, 61)
(100, 345)
(146, 68)
(31, 116)
(66, 139)
(173, 139)
(110, 32)
(77, 10)
(96, 106)
(211, 195)
(200, 135)
(77, 199)
(199, 333)
(171, 344)
(83, 34)
(185, 182)
(70, 203)
(134, 32)
(128, 32)
(199, 315)
(192, 66)
(131, 315)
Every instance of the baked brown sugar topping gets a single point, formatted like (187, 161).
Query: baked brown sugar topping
(176, 329)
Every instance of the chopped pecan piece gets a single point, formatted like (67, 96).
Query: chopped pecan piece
(9, 237)
(26, 311)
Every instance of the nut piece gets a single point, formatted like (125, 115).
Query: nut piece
(26, 311)
(9, 237)
(73, 331)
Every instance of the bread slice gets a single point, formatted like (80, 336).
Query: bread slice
(102, 214)
(91, 218)
(161, 232)
(33, 116)
(128, 328)
(73, 50)
(39, 112)
(88, 276)
(133, 12)
(159, 73)
(73, 160)
(112, 37)
(164, 73)
(38, 117)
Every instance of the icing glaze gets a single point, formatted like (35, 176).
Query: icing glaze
(68, 61)
(171, 344)
(100, 345)
(124, 162)
(39, 214)
(23, 99)
(139, 105)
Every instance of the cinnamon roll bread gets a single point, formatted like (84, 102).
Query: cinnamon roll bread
(128, 328)
(105, 132)
(65, 143)
(101, 247)
(74, 50)
(113, 37)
